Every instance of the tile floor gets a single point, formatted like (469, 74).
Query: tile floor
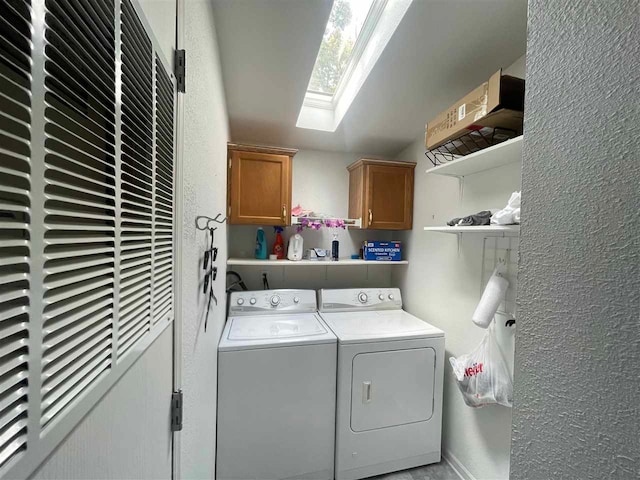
(436, 471)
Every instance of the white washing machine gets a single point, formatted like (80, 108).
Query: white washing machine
(390, 371)
(276, 388)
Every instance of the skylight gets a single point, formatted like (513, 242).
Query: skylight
(356, 35)
(343, 29)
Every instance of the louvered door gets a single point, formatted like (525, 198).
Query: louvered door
(79, 202)
(164, 204)
(136, 181)
(15, 226)
(86, 212)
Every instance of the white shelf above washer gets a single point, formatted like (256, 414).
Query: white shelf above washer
(504, 153)
(488, 230)
(311, 263)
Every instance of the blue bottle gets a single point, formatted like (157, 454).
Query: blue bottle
(261, 245)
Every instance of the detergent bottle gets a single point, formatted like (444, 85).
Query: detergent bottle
(261, 244)
(278, 245)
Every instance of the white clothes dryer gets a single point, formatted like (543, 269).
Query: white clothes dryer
(276, 388)
(390, 374)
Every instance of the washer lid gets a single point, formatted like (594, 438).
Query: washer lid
(359, 327)
(274, 330)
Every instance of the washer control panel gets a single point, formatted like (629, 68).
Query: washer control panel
(270, 301)
(354, 299)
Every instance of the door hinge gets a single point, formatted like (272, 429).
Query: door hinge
(181, 66)
(176, 411)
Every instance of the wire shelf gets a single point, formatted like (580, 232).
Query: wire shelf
(469, 143)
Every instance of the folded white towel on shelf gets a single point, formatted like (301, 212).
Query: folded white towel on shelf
(509, 214)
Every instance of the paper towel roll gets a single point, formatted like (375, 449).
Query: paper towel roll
(491, 297)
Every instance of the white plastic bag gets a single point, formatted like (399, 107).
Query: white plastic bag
(482, 375)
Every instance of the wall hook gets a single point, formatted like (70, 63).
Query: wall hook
(219, 221)
(204, 223)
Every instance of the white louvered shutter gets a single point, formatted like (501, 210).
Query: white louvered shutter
(136, 182)
(79, 201)
(15, 229)
(164, 206)
(87, 174)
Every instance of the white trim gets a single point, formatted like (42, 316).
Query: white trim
(179, 230)
(457, 466)
(369, 27)
(319, 100)
(330, 100)
(383, 20)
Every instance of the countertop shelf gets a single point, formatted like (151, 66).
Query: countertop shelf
(310, 263)
(489, 230)
(504, 153)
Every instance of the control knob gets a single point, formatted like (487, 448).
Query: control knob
(362, 297)
(275, 301)
(240, 301)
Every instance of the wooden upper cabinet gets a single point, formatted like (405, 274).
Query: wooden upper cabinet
(259, 185)
(381, 193)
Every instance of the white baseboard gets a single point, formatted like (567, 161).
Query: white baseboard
(459, 468)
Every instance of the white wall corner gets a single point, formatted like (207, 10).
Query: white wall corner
(457, 465)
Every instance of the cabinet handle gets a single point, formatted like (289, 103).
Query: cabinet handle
(370, 217)
(284, 212)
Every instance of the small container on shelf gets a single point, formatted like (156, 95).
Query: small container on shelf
(383, 251)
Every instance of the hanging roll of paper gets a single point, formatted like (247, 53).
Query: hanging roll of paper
(492, 296)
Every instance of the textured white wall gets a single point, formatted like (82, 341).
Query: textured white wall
(576, 411)
(442, 286)
(204, 193)
(320, 183)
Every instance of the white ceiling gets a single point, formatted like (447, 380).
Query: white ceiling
(441, 50)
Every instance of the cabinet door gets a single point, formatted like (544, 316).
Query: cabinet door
(260, 188)
(389, 197)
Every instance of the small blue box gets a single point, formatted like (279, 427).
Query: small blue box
(383, 251)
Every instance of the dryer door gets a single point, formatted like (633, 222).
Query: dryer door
(392, 388)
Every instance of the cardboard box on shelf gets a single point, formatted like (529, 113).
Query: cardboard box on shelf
(383, 251)
(497, 103)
